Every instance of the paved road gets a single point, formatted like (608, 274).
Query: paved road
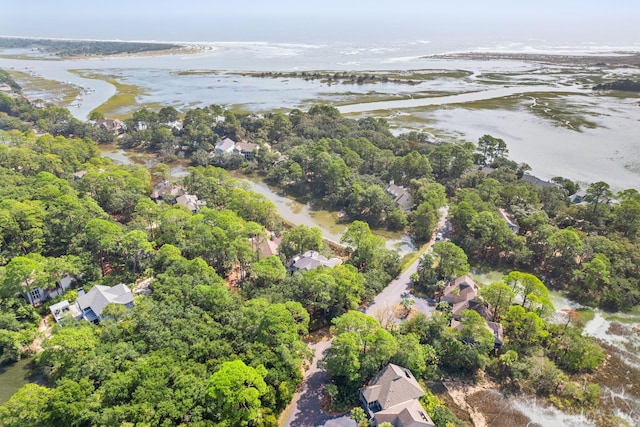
(306, 410)
(382, 306)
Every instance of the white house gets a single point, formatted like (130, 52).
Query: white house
(311, 260)
(225, 146)
(93, 302)
(37, 296)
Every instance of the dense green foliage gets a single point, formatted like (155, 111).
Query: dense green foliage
(218, 340)
(81, 47)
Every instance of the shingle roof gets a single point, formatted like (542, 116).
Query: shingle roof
(224, 146)
(246, 147)
(100, 296)
(392, 386)
(397, 392)
(311, 260)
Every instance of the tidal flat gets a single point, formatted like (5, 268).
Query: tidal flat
(544, 108)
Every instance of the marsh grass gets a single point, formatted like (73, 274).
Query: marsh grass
(125, 100)
(58, 93)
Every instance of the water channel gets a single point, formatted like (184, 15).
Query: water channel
(289, 209)
(14, 376)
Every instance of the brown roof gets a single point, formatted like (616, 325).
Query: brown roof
(459, 292)
(269, 246)
(246, 147)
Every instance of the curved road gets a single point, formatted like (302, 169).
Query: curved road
(382, 306)
(305, 407)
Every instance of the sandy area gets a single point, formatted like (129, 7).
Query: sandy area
(183, 49)
(628, 59)
(460, 392)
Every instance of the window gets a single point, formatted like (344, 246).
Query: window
(36, 295)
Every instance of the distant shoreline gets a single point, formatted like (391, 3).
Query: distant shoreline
(618, 59)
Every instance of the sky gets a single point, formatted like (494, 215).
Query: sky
(296, 21)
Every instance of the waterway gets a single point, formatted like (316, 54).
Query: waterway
(13, 377)
(289, 209)
(454, 99)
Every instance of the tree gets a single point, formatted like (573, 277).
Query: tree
(358, 415)
(267, 271)
(96, 115)
(490, 150)
(534, 294)
(136, 249)
(452, 260)
(626, 218)
(104, 237)
(598, 193)
(525, 330)
(423, 221)
(27, 407)
(361, 347)
(499, 295)
(474, 331)
(22, 270)
(564, 247)
(168, 114)
(300, 239)
(235, 391)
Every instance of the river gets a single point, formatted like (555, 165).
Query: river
(455, 99)
(289, 209)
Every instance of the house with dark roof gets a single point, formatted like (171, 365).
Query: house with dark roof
(115, 126)
(538, 182)
(268, 246)
(400, 195)
(459, 293)
(392, 396)
(578, 197)
(93, 302)
(311, 260)
(462, 293)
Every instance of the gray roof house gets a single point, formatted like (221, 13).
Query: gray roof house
(578, 196)
(225, 146)
(79, 175)
(191, 201)
(400, 196)
(93, 302)
(393, 396)
(311, 260)
(538, 182)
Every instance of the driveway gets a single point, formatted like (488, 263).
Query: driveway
(305, 407)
